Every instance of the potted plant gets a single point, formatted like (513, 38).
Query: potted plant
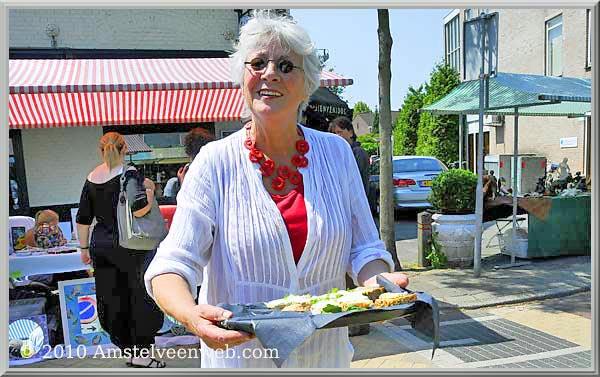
(453, 200)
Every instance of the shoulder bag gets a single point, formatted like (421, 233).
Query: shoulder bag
(139, 233)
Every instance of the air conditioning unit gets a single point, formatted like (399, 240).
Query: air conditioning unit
(493, 120)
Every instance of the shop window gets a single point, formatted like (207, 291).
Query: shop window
(554, 46)
(163, 140)
(452, 42)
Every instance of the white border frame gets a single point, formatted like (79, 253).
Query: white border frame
(4, 5)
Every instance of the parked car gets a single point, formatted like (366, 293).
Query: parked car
(412, 176)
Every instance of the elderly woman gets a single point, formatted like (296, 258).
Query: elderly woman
(268, 211)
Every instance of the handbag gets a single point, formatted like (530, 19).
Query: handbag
(139, 233)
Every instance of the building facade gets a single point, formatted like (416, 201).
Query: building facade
(48, 166)
(553, 42)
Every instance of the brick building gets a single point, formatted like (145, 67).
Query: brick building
(553, 42)
(49, 165)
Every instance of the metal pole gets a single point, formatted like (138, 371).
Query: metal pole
(479, 193)
(467, 151)
(460, 141)
(514, 184)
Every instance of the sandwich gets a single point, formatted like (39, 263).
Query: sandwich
(391, 299)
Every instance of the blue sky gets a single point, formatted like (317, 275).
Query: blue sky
(350, 35)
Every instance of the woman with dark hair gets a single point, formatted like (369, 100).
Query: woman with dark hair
(342, 126)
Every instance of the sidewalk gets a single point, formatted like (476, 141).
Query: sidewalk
(544, 278)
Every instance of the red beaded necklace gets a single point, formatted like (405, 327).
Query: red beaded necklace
(267, 166)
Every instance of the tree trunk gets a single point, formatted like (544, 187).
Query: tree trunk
(386, 198)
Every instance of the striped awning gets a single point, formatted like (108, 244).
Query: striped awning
(135, 144)
(102, 92)
(104, 75)
(534, 95)
(50, 110)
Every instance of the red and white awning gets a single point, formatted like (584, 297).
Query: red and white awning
(103, 75)
(50, 110)
(96, 92)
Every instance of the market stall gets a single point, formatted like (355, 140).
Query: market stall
(517, 95)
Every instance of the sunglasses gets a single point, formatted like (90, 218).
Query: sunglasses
(284, 65)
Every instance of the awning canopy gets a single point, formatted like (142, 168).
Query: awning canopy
(535, 95)
(325, 102)
(49, 110)
(104, 75)
(99, 92)
(135, 144)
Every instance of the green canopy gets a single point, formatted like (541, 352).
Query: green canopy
(534, 95)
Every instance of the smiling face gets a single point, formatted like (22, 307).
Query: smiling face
(269, 92)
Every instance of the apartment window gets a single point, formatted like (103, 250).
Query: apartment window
(453, 43)
(468, 14)
(588, 54)
(554, 46)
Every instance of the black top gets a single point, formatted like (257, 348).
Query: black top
(99, 200)
(362, 159)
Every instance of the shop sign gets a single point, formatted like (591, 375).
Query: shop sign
(568, 142)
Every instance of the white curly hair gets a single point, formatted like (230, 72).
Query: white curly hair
(265, 29)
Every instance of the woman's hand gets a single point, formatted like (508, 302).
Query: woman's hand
(397, 278)
(85, 256)
(201, 320)
(181, 173)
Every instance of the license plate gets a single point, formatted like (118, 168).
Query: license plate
(425, 183)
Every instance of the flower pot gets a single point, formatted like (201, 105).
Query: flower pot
(455, 235)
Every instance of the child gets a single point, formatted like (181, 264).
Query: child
(46, 233)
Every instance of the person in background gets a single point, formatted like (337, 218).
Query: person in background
(126, 313)
(193, 141)
(172, 185)
(270, 210)
(342, 126)
(46, 233)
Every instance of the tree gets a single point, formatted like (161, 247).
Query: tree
(437, 133)
(407, 124)
(386, 198)
(376, 121)
(370, 143)
(361, 107)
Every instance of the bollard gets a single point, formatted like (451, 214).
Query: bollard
(423, 238)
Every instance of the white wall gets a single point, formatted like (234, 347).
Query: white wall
(57, 162)
(192, 29)
(226, 126)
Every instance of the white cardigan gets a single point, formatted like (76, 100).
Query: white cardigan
(228, 236)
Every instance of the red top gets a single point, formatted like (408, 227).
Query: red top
(293, 211)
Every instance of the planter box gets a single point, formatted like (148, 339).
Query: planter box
(455, 235)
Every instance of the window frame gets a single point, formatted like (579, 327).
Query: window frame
(588, 37)
(468, 14)
(452, 30)
(547, 54)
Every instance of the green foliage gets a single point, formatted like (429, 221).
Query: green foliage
(361, 107)
(437, 135)
(453, 191)
(370, 143)
(376, 122)
(437, 258)
(407, 123)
